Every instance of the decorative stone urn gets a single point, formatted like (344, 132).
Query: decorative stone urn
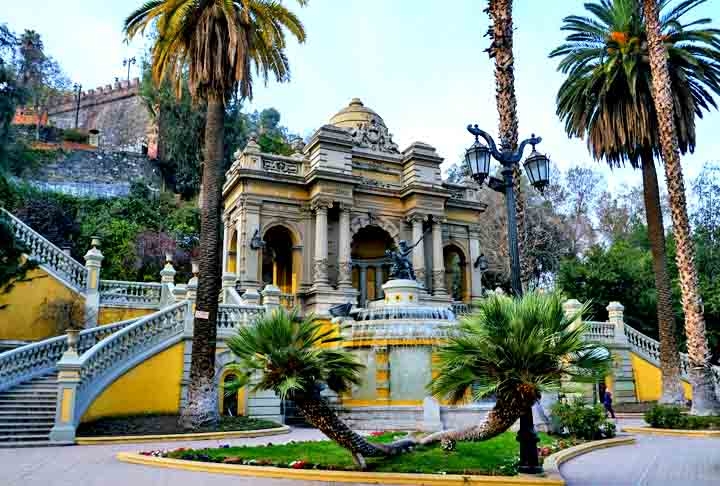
(73, 335)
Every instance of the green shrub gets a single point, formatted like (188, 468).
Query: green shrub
(73, 135)
(583, 420)
(672, 417)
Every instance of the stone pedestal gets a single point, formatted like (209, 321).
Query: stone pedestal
(431, 415)
(401, 292)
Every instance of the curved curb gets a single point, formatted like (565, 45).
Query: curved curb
(235, 434)
(553, 462)
(673, 432)
(332, 477)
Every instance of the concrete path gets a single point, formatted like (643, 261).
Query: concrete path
(652, 461)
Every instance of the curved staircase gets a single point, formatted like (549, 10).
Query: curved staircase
(27, 412)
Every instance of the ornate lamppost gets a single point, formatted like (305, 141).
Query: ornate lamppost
(77, 89)
(537, 168)
(129, 62)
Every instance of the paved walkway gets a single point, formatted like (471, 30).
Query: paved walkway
(652, 461)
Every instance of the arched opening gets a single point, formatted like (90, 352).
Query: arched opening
(455, 273)
(370, 266)
(231, 265)
(277, 260)
(230, 402)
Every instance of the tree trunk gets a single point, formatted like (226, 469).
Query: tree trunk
(202, 402)
(317, 412)
(672, 391)
(501, 50)
(701, 378)
(500, 419)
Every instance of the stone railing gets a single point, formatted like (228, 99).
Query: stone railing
(461, 308)
(232, 317)
(53, 258)
(105, 361)
(26, 362)
(145, 294)
(643, 345)
(602, 332)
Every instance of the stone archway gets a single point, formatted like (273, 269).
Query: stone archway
(370, 268)
(360, 221)
(456, 272)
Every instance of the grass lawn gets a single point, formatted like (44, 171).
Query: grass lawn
(151, 424)
(493, 457)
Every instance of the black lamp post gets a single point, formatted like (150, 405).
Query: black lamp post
(77, 88)
(129, 62)
(537, 168)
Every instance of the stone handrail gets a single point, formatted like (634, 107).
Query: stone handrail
(231, 317)
(116, 292)
(602, 332)
(643, 345)
(36, 359)
(461, 308)
(110, 358)
(46, 253)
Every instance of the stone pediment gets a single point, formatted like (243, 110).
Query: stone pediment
(373, 136)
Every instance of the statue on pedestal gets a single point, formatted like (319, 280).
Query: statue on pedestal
(401, 267)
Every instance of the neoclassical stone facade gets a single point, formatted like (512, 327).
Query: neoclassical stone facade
(317, 223)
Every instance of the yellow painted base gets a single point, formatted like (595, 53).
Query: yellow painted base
(648, 381)
(673, 432)
(151, 387)
(338, 476)
(129, 439)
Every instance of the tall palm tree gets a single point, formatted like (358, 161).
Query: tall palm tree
(295, 358)
(705, 401)
(501, 50)
(215, 44)
(513, 349)
(607, 98)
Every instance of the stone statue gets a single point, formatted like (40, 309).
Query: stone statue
(400, 259)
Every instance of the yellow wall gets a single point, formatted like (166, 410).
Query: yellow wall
(21, 315)
(151, 387)
(648, 381)
(108, 315)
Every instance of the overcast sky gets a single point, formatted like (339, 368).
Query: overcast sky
(419, 63)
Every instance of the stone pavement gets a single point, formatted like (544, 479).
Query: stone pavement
(652, 461)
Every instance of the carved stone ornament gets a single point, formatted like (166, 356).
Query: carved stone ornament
(320, 270)
(373, 136)
(321, 204)
(439, 280)
(280, 166)
(345, 272)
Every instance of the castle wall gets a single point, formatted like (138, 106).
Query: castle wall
(117, 112)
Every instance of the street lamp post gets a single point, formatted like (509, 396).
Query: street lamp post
(129, 62)
(537, 168)
(77, 88)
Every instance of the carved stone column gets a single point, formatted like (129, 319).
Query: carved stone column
(320, 264)
(251, 262)
(438, 260)
(418, 253)
(362, 280)
(344, 242)
(226, 246)
(476, 283)
(378, 282)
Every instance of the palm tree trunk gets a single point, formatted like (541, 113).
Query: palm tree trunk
(501, 50)
(317, 412)
(701, 378)
(500, 419)
(672, 391)
(202, 401)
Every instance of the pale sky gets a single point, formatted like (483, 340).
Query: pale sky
(419, 63)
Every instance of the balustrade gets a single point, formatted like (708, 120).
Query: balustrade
(117, 292)
(46, 253)
(602, 332)
(643, 345)
(27, 362)
(461, 308)
(232, 317)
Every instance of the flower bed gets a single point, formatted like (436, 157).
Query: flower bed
(138, 425)
(670, 417)
(494, 457)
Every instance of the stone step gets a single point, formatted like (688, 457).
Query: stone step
(29, 396)
(24, 437)
(35, 443)
(49, 400)
(6, 429)
(35, 407)
(11, 416)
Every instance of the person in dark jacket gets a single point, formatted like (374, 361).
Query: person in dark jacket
(607, 402)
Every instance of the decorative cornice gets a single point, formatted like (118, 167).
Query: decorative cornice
(321, 204)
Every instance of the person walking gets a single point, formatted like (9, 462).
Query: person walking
(607, 402)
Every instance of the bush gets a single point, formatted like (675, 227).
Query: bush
(72, 135)
(672, 417)
(584, 421)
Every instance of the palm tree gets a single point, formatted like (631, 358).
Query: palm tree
(296, 359)
(607, 99)
(501, 50)
(701, 377)
(513, 349)
(215, 44)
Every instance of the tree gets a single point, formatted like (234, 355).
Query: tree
(295, 358)
(218, 44)
(583, 185)
(658, 35)
(501, 51)
(607, 98)
(513, 349)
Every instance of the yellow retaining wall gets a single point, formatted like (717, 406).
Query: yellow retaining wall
(108, 315)
(151, 387)
(648, 380)
(21, 315)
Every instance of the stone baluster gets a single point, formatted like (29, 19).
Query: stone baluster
(67, 385)
(344, 242)
(167, 279)
(320, 264)
(271, 297)
(616, 318)
(93, 263)
(438, 260)
(572, 309)
(192, 284)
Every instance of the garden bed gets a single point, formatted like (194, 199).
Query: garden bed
(496, 457)
(675, 418)
(140, 425)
